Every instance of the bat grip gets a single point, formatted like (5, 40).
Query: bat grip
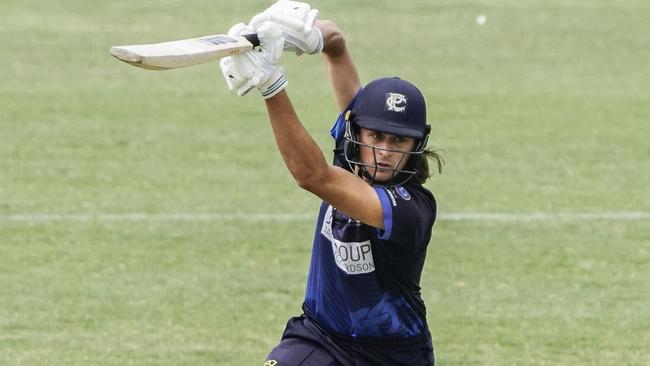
(252, 38)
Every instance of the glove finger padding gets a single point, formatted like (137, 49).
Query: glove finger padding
(239, 74)
(290, 14)
(271, 41)
(296, 20)
(272, 44)
(294, 12)
(239, 29)
(310, 20)
(257, 68)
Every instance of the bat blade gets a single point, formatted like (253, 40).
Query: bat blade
(185, 52)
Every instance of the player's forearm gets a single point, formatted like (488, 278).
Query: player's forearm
(300, 153)
(347, 192)
(342, 71)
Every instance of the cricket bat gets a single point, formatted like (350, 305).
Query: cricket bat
(185, 52)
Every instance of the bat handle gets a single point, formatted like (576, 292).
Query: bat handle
(252, 38)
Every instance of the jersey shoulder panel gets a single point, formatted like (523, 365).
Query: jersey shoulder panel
(409, 214)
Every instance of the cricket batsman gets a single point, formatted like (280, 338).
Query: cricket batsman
(362, 303)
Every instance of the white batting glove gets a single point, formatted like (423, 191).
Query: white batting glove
(258, 68)
(296, 20)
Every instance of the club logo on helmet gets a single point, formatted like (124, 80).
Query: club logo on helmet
(395, 102)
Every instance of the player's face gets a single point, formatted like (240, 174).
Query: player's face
(388, 153)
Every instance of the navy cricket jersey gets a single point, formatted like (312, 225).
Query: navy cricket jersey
(363, 281)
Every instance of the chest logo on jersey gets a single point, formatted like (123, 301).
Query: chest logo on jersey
(351, 257)
(403, 192)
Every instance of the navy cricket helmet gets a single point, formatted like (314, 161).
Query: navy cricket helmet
(394, 106)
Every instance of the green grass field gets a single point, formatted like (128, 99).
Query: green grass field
(141, 212)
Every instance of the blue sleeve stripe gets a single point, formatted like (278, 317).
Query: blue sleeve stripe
(388, 213)
(339, 128)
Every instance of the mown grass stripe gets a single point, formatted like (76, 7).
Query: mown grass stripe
(293, 217)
